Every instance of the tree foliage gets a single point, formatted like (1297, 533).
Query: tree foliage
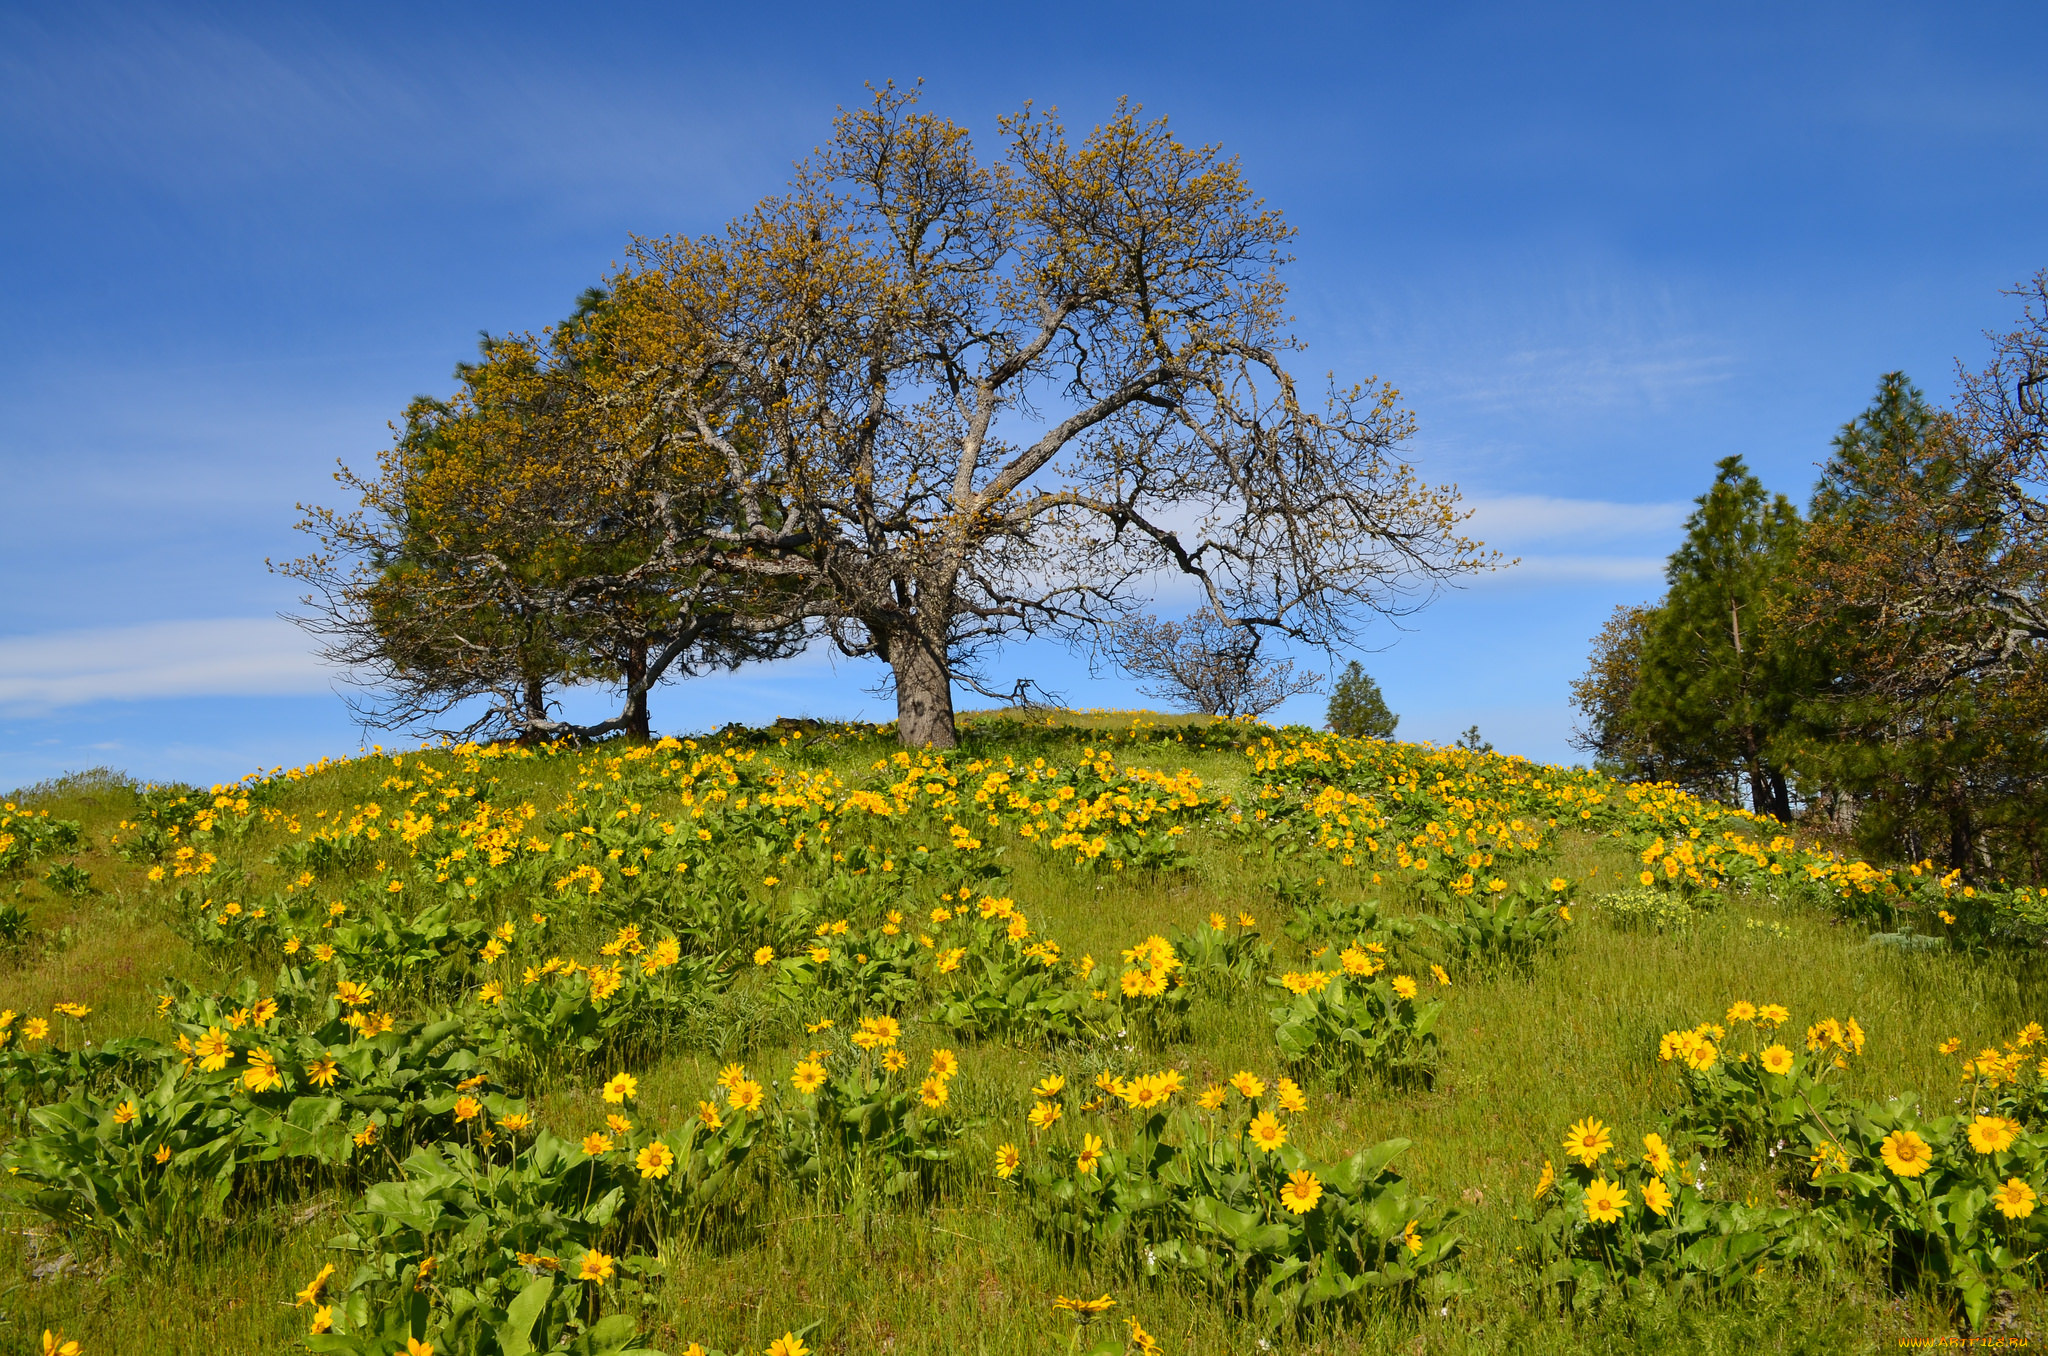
(1700, 688)
(1604, 694)
(521, 535)
(1880, 658)
(1711, 697)
(1357, 708)
(1206, 663)
(1931, 727)
(952, 400)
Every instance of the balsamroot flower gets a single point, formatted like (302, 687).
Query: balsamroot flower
(1993, 1134)
(2015, 1199)
(1084, 1309)
(1605, 1201)
(1301, 1193)
(262, 1074)
(1905, 1153)
(1587, 1140)
(311, 1294)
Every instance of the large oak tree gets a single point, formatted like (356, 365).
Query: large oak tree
(953, 399)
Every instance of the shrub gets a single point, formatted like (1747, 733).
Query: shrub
(1344, 1028)
(28, 835)
(1218, 1198)
(1500, 929)
(1642, 909)
(1611, 1231)
(479, 1254)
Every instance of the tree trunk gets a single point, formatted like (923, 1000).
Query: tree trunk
(637, 724)
(1781, 796)
(536, 708)
(1960, 834)
(924, 694)
(1759, 789)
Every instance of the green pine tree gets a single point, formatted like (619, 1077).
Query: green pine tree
(1357, 709)
(1719, 678)
(1958, 773)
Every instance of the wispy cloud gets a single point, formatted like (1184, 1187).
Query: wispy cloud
(1604, 374)
(229, 656)
(196, 104)
(1579, 570)
(1514, 521)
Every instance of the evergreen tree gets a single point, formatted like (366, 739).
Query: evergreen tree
(1357, 708)
(1472, 741)
(1951, 770)
(1719, 678)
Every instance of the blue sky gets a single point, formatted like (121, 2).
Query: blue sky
(1596, 247)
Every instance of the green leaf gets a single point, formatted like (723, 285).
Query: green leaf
(515, 1334)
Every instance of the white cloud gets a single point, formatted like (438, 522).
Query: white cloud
(223, 657)
(1513, 521)
(1598, 376)
(1580, 570)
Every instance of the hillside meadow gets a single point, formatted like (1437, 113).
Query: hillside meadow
(1111, 1033)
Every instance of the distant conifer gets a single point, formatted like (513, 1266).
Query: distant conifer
(1357, 709)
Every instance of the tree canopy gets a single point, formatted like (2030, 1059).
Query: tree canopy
(954, 399)
(1206, 663)
(522, 535)
(1357, 708)
(918, 403)
(1879, 660)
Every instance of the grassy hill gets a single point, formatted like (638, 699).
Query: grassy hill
(419, 977)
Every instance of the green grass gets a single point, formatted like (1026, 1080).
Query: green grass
(1524, 1056)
